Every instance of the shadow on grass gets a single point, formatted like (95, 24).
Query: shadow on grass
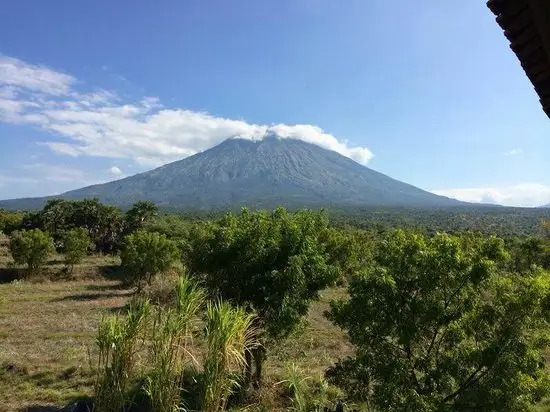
(80, 297)
(108, 272)
(105, 288)
(112, 272)
(119, 310)
(83, 404)
(8, 275)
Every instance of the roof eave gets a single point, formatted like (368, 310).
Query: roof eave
(526, 24)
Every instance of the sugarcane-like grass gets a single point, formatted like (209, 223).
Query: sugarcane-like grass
(229, 334)
(116, 341)
(171, 334)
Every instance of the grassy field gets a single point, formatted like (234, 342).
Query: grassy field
(47, 331)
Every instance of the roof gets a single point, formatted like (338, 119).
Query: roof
(526, 24)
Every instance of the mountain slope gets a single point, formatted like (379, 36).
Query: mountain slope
(266, 173)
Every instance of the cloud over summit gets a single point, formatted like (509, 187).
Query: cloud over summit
(100, 123)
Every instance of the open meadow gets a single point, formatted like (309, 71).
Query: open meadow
(48, 328)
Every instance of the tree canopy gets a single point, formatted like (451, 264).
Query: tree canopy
(31, 248)
(273, 263)
(439, 325)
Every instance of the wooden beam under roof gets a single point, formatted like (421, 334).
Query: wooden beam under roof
(526, 24)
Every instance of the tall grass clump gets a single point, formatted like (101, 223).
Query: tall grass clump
(117, 343)
(171, 333)
(297, 386)
(229, 333)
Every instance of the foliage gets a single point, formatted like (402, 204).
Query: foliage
(273, 263)
(348, 250)
(146, 254)
(103, 223)
(138, 215)
(307, 393)
(10, 221)
(172, 331)
(439, 326)
(31, 248)
(115, 370)
(296, 383)
(229, 334)
(489, 220)
(76, 245)
(173, 226)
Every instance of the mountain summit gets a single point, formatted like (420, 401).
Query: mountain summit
(266, 173)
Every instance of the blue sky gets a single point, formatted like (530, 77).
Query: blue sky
(427, 92)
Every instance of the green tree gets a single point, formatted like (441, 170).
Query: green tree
(76, 245)
(348, 250)
(104, 223)
(56, 218)
(138, 215)
(31, 248)
(10, 221)
(146, 254)
(438, 326)
(272, 263)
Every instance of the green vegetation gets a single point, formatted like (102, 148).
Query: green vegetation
(440, 325)
(273, 263)
(146, 254)
(139, 215)
(229, 335)
(31, 248)
(116, 364)
(171, 338)
(272, 311)
(76, 245)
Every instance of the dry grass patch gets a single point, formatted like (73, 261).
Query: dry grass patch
(47, 331)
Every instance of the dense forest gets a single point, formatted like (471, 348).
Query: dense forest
(446, 310)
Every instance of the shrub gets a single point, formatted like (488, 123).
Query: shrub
(76, 245)
(31, 248)
(10, 221)
(439, 326)
(161, 291)
(145, 254)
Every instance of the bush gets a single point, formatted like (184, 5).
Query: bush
(76, 245)
(31, 248)
(161, 290)
(10, 221)
(440, 326)
(145, 254)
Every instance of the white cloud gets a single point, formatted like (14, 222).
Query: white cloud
(16, 73)
(115, 170)
(99, 124)
(513, 152)
(525, 194)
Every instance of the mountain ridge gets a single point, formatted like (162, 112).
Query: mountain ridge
(266, 173)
